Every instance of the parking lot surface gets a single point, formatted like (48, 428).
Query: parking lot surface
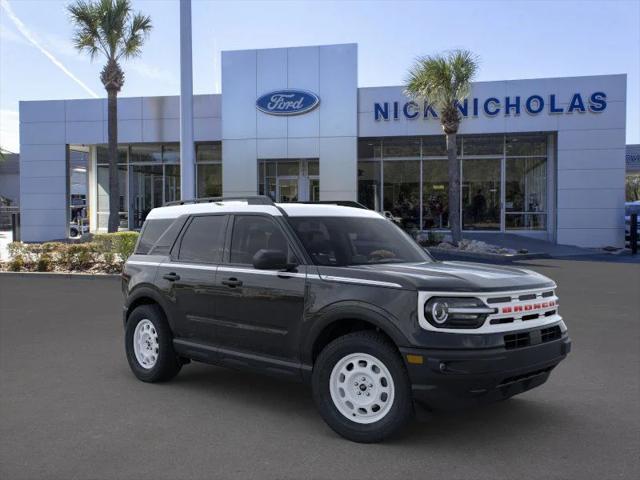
(71, 409)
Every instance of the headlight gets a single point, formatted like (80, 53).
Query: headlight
(456, 312)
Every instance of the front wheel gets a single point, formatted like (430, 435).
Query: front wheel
(149, 345)
(361, 387)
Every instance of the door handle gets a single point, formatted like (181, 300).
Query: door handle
(172, 277)
(232, 282)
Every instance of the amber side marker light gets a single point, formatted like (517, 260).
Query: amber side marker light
(415, 359)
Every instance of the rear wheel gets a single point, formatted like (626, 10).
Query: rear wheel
(149, 345)
(361, 387)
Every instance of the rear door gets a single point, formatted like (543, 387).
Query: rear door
(259, 311)
(189, 277)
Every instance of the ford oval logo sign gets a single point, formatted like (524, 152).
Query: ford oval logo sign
(287, 102)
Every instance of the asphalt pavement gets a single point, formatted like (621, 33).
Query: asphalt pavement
(71, 409)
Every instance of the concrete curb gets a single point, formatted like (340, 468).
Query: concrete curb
(450, 254)
(62, 275)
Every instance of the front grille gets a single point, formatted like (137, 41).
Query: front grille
(524, 376)
(523, 339)
(551, 333)
(517, 340)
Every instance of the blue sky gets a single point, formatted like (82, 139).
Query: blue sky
(513, 40)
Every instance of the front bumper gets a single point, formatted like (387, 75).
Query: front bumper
(456, 378)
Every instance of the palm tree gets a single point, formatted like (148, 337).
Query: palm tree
(445, 81)
(112, 29)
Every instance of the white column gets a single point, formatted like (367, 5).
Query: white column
(187, 148)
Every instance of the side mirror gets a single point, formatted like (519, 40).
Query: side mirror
(265, 259)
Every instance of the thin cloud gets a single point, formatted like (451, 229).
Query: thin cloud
(22, 28)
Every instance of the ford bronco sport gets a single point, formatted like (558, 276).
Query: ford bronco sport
(341, 298)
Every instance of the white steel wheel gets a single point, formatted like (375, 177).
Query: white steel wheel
(362, 388)
(145, 344)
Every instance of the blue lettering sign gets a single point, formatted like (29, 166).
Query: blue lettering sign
(495, 102)
(464, 108)
(598, 102)
(552, 105)
(381, 111)
(576, 104)
(428, 109)
(509, 105)
(536, 100)
(411, 110)
(492, 106)
(287, 102)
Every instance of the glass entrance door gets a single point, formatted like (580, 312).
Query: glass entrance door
(290, 180)
(287, 189)
(481, 194)
(145, 192)
(314, 189)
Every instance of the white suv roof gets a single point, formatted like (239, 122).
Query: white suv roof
(242, 206)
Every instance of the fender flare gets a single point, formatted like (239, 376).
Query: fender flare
(147, 291)
(352, 310)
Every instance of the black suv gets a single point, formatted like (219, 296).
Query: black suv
(338, 297)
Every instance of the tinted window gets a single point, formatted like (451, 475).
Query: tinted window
(166, 240)
(341, 241)
(252, 233)
(203, 240)
(151, 232)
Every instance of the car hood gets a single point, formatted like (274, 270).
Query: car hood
(447, 276)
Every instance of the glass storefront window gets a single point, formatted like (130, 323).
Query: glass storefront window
(103, 195)
(402, 192)
(171, 183)
(145, 153)
(483, 145)
(433, 146)
(146, 187)
(435, 194)
(481, 194)
(403, 147)
(208, 152)
(369, 184)
(526, 193)
(209, 180)
(171, 153)
(369, 149)
(526, 145)
(102, 154)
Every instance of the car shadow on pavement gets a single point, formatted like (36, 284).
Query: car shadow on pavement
(491, 424)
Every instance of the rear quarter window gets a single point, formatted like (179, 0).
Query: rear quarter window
(151, 232)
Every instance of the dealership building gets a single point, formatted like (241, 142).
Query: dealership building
(542, 157)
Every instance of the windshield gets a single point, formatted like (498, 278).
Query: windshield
(344, 241)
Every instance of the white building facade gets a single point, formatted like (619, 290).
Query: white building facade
(540, 157)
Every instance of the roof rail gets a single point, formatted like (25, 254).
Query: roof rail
(341, 203)
(251, 200)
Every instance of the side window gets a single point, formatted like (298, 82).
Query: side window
(151, 232)
(203, 240)
(252, 233)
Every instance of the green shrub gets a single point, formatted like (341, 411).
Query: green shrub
(16, 264)
(16, 248)
(121, 243)
(44, 263)
(125, 244)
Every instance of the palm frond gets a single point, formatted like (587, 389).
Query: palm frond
(442, 79)
(139, 28)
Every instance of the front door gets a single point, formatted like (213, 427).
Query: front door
(258, 311)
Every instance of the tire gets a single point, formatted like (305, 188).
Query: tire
(338, 375)
(153, 359)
